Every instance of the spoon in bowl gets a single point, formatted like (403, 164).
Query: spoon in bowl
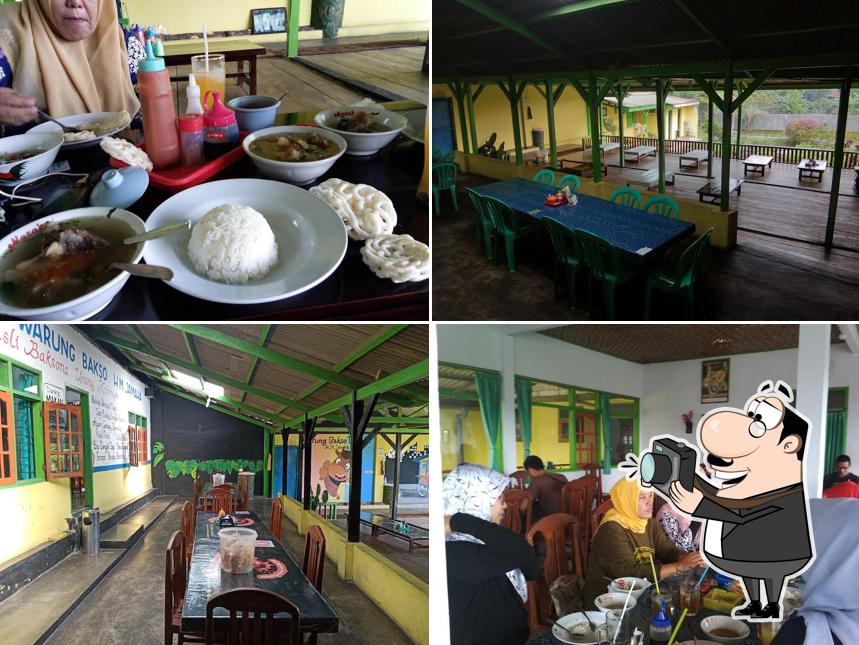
(48, 117)
(144, 270)
(158, 232)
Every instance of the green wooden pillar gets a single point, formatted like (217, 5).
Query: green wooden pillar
(550, 116)
(514, 94)
(594, 109)
(660, 130)
(266, 474)
(621, 90)
(726, 136)
(710, 137)
(838, 161)
(459, 89)
(470, 99)
(292, 28)
(739, 126)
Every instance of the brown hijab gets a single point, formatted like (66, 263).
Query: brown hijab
(67, 77)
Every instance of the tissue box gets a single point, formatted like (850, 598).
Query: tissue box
(721, 600)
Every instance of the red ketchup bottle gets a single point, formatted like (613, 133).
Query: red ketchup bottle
(159, 113)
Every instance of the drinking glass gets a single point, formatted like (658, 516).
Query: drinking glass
(767, 632)
(213, 80)
(656, 602)
(690, 597)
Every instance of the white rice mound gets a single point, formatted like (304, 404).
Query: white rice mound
(232, 243)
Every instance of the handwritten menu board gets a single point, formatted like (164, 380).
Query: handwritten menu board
(65, 358)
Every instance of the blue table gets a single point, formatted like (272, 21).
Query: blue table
(641, 235)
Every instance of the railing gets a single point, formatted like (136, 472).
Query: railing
(780, 154)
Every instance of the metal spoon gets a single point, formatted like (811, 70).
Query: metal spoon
(158, 232)
(66, 128)
(571, 634)
(144, 270)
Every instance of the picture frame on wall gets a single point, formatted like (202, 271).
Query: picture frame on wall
(269, 21)
(715, 380)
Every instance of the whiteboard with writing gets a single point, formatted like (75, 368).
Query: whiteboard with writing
(65, 358)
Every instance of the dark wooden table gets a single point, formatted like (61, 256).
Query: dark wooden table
(352, 292)
(234, 51)
(207, 579)
(713, 190)
(416, 536)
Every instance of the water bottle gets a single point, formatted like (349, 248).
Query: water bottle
(159, 112)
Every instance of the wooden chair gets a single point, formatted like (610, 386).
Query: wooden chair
(186, 524)
(314, 563)
(518, 502)
(175, 582)
(243, 494)
(198, 489)
(276, 518)
(603, 508)
(556, 531)
(520, 476)
(595, 470)
(577, 500)
(216, 499)
(251, 621)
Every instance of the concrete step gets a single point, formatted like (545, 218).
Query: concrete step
(122, 536)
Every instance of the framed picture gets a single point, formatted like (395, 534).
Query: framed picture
(714, 380)
(269, 21)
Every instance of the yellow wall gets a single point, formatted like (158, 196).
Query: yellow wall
(688, 113)
(360, 18)
(112, 488)
(33, 514)
(475, 445)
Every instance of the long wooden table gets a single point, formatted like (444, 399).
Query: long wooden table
(206, 579)
(234, 51)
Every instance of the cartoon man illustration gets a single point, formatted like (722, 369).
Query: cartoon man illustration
(757, 522)
(334, 473)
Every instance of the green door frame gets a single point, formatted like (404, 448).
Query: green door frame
(89, 492)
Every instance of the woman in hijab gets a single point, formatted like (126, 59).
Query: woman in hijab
(830, 605)
(487, 565)
(63, 56)
(627, 538)
(679, 528)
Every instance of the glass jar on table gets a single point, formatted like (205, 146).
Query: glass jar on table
(210, 77)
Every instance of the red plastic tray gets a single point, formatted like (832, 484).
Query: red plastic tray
(181, 177)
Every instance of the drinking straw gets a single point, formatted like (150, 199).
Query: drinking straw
(653, 568)
(701, 579)
(676, 629)
(206, 47)
(625, 603)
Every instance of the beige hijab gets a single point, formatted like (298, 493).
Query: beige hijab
(66, 77)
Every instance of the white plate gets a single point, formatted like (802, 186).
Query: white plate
(75, 120)
(311, 239)
(597, 618)
(415, 129)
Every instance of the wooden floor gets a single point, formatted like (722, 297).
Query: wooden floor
(391, 73)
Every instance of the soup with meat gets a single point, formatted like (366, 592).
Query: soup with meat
(63, 261)
(362, 123)
(294, 147)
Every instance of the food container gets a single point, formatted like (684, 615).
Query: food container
(363, 143)
(16, 170)
(609, 601)
(721, 600)
(295, 172)
(254, 112)
(237, 549)
(623, 585)
(221, 130)
(191, 139)
(725, 630)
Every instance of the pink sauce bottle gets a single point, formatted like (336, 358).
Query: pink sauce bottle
(159, 113)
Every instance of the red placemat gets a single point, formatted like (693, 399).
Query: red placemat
(180, 177)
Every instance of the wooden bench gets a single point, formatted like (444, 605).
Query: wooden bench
(649, 180)
(695, 157)
(811, 169)
(757, 164)
(635, 154)
(580, 167)
(713, 190)
(416, 536)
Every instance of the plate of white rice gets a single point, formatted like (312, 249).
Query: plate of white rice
(251, 241)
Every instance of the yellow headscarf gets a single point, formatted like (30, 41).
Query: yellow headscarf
(624, 496)
(66, 77)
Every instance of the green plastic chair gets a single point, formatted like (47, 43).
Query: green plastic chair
(440, 157)
(606, 264)
(571, 180)
(444, 178)
(680, 279)
(485, 224)
(544, 177)
(662, 205)
(509, 225)
(626, 196)
(568, 254)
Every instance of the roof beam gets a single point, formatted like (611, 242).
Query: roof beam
(787, 29)
(230, 413)
(192, 350)
(513, 25)
(681, 4)
(95, 332)
(405, 376)
(263, 339)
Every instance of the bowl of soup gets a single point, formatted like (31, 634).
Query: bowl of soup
(58, 267)
(366, 129)
(294, 153)
(623, 585)
(613, 600)
(29, 155)
(725, 630)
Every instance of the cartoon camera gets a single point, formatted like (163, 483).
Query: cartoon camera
(667, 462)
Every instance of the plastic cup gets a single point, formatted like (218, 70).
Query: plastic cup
(213, 80)
(237, 549)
